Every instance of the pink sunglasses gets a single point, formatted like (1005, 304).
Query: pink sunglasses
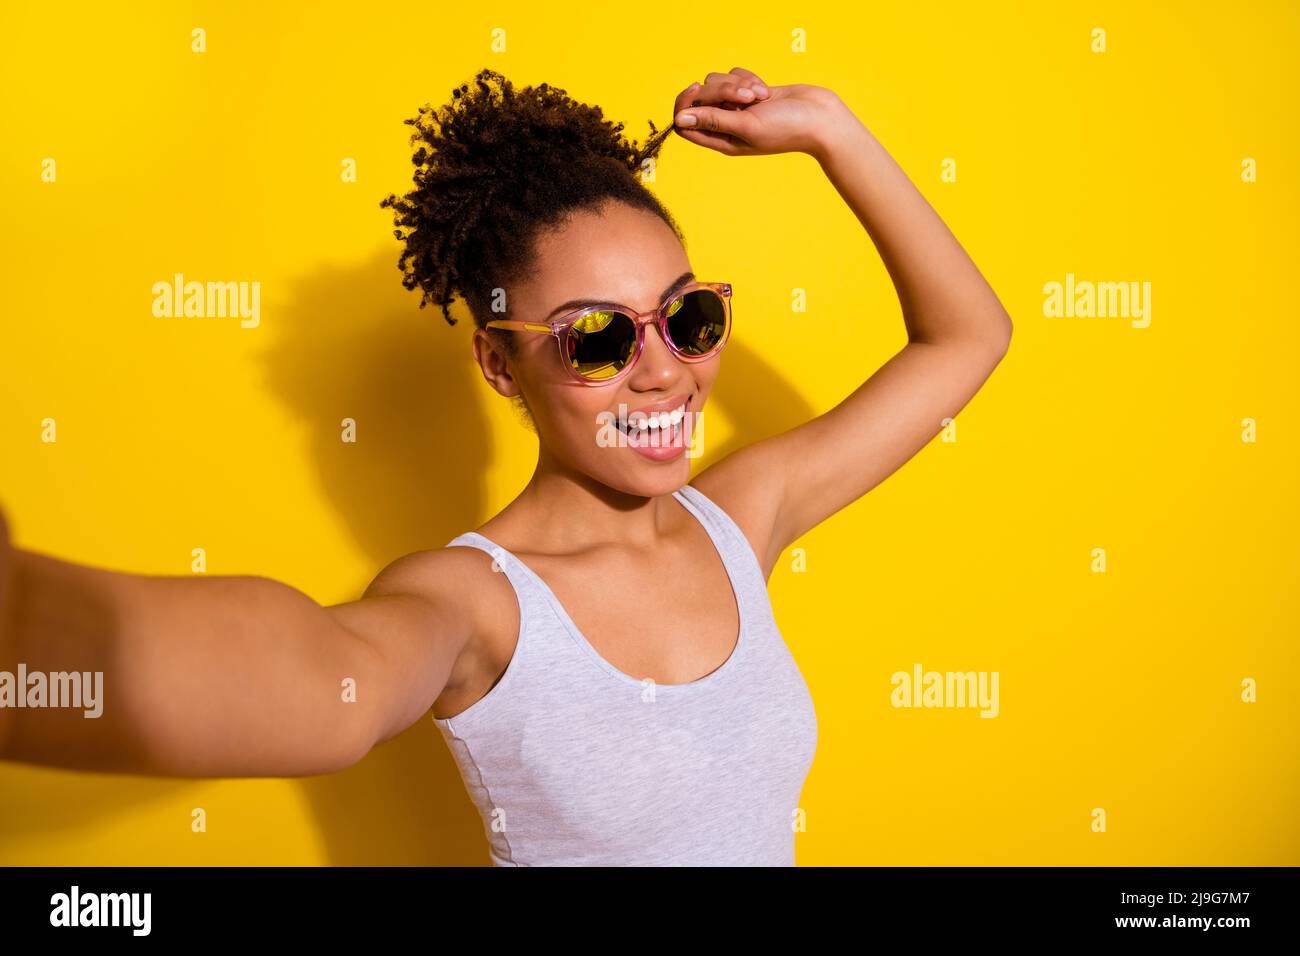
(599, 344)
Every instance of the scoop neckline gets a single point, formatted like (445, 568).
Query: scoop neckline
(581, 639)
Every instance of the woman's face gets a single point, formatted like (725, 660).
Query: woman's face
(625, 256)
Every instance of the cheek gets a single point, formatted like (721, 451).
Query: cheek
(705, 373)
(572, 418)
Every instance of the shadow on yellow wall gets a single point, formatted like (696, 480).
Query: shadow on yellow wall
(356, 345)
(353, 344)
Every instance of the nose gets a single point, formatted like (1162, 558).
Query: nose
(657, 366)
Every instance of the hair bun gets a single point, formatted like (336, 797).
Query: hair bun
(492, 123)
(493, 165)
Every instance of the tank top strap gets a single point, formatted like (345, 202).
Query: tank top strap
(737, 553)
(516, 572)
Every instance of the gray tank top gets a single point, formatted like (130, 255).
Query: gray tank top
(572, 762)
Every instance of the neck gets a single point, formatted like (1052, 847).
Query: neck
(562, 510)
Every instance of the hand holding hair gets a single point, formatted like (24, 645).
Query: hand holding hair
(736, 113)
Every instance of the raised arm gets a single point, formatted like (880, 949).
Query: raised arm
(957, 330)
(223, 676)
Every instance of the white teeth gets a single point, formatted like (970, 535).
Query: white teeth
(643, 422)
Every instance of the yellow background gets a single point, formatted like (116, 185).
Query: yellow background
(1119, 690)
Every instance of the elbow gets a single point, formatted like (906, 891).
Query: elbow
(998, 341)
(1002, 335)
(989, 334)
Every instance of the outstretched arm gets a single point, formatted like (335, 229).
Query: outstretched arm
(223, 676)
(957, 330)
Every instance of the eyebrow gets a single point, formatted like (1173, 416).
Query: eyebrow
(684, 279)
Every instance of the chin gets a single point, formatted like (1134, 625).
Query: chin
(649, 479)
(664, 479)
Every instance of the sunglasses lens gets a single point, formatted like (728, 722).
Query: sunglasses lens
(697, 321)
(600, 344)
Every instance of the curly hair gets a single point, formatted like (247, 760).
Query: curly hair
(493, 168)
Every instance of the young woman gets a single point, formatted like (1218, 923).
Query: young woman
(600, 656)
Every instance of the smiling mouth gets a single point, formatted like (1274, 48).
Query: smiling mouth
(638, 426)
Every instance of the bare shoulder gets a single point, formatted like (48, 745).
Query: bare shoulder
(433, 574)
(459, 581)
(463, 589)
(750, 493)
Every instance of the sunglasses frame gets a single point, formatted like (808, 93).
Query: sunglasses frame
(560, 326)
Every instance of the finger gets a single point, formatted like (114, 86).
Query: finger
(684, 97)
(722, 88)
(712, 119)
(750, 80)
(716, 141)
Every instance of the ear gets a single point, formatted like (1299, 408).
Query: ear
(494, 364)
